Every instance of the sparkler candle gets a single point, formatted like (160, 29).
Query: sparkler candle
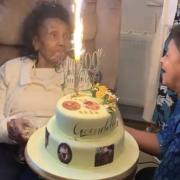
(77, 38)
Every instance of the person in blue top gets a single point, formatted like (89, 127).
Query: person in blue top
(166, 143)
(167, 98)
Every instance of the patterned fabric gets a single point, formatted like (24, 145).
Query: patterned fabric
(169, 139)
(166, 102)
(167, 98)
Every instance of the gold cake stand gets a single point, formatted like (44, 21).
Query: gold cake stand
(46, 166)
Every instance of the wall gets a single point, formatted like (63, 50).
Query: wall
(139, 23)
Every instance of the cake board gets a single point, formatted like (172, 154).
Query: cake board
(45, 165)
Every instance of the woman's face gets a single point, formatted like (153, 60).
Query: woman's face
(52, 42)
(171, 67)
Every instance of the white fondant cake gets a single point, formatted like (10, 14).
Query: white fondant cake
(83, 133)
(84, 116)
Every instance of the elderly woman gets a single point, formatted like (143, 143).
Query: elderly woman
(31, 85)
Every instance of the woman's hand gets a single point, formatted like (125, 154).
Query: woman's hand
(20, 130)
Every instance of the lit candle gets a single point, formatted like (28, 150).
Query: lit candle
(77, 38)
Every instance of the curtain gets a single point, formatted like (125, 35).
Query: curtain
(165, 25)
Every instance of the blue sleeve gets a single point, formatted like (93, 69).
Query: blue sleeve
(161, 136)
(165, 137)
(169, 168)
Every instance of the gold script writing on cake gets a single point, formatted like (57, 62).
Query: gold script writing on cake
(110, 124)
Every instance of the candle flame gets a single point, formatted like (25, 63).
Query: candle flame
(78, 31)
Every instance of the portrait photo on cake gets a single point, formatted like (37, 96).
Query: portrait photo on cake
(104, 155)
(46, 138)
(64, 153)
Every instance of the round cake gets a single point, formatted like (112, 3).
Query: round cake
(85, 131)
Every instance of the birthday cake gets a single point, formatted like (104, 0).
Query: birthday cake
(85, 131)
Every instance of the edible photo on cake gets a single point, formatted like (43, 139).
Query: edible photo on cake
(46, 138)
(64, 153)
(104, 155)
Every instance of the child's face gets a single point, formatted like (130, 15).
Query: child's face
(171, 67)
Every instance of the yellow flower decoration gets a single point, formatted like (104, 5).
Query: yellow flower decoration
(101, 92)
(103, 88)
